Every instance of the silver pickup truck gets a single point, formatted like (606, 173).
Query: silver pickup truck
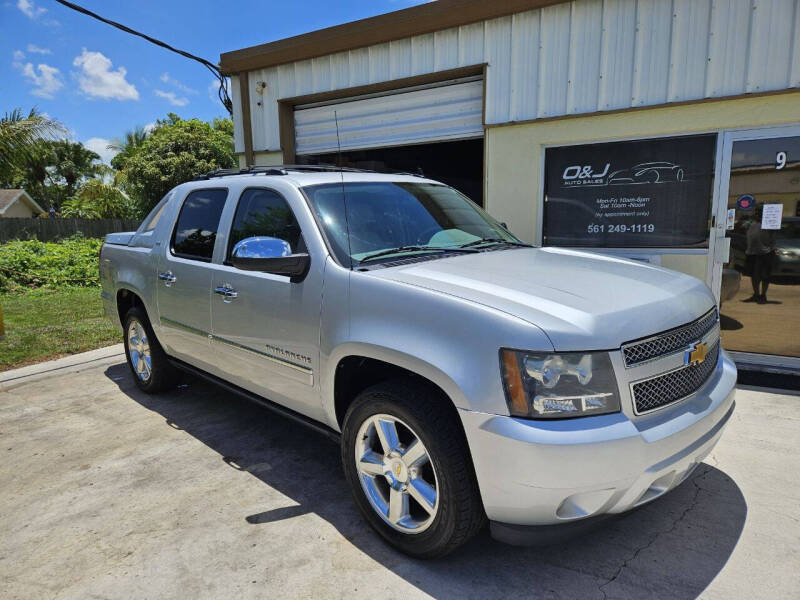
(468, 376)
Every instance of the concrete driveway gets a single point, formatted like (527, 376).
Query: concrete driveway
(108, 493)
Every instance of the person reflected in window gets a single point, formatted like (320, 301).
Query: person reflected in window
(760, 256)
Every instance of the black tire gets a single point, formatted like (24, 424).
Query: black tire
(460, 513)
(162, 374)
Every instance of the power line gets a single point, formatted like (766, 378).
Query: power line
(222, 93)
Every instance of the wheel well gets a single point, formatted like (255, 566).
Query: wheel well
(126, 300)
(354, 374)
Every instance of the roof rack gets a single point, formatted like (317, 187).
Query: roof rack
(276, 170)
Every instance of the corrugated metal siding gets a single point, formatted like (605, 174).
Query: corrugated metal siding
(572, 58)
(423, 115)
(238, 135)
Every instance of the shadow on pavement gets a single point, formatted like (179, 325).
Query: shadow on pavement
(671, 548)
(727, 323)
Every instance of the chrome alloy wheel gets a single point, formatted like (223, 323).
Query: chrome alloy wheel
(139, 350)
(396, 473)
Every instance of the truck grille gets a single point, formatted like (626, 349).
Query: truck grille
(669, 341)
(675, 385)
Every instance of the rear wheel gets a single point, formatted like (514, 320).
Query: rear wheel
(146, 358)
(409, 468)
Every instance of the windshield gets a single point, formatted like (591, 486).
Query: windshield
(382, 216)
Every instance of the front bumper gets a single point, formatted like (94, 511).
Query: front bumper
(550, 472)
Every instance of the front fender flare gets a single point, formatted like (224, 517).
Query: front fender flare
(388, 355)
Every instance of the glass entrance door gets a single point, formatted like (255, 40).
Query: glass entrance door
(760, 284)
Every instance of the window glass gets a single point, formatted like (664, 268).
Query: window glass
(363, 218)
(152, 219)
(636, 194)
(265, 213)
(760, 287)
(197, 225)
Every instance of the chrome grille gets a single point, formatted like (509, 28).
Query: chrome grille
(669, 341)
(675, 385)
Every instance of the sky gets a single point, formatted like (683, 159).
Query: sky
(101, 82)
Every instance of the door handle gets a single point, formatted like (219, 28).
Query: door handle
(227, 292)
(167, 277)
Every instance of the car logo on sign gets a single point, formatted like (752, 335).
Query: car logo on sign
(696, 354)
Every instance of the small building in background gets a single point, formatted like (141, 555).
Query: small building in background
(18, 204)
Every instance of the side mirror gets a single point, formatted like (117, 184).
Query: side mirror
(270, 255)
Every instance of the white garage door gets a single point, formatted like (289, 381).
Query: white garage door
(447, 111)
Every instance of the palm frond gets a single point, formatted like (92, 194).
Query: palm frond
(19, 135)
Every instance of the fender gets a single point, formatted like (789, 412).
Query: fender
(388, 355)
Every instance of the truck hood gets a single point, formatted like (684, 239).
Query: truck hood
(581, 300)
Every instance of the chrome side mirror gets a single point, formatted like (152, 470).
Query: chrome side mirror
(261, 247)
(270, 255)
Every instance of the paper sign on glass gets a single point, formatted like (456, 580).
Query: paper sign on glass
(771, 218)
(731, 220)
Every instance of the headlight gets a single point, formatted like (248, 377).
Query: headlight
(557, 386)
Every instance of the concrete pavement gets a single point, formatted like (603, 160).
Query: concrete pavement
(108, 493)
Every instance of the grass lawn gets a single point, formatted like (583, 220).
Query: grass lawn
(43, 324)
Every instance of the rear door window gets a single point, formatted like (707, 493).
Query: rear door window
(198, 223)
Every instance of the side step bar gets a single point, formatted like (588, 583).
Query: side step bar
(324, 430)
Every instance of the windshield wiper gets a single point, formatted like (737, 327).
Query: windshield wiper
(495, 240)
(401, 249)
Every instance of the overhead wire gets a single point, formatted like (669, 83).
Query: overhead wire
(222, 92)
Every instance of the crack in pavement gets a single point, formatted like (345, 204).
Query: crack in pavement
(655, 538)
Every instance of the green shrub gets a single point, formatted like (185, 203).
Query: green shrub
(33, 264)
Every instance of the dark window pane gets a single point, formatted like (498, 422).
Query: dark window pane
(264, 213)
(198, 223)
(636, 194)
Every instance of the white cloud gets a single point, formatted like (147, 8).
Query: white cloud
(150, 126)
(100, 146)
(30, 10)
(19, 56)
(97, 80)
(166, 78)
(172, 98)
(34, 49)
(46, 80)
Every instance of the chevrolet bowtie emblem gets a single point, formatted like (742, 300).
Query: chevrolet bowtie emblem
(696, 354)
(397, 470)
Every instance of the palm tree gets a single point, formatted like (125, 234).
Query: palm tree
(132, 139)
(74, 163)
(127, 146)
(20, 136)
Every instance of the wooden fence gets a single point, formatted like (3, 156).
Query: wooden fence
(55, 229)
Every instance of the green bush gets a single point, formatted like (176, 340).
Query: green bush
(33, 264)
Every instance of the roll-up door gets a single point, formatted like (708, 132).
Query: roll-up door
(447, 111)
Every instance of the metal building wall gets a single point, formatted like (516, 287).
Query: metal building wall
(572, 58)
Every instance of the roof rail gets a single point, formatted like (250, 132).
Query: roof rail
(275, 170)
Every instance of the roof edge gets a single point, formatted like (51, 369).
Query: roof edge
(21, 193)
(399, 24)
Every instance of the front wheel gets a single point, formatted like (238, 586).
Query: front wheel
(409, 468)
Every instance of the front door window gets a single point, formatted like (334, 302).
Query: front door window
(760, 294)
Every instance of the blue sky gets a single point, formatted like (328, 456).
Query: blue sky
(100, 82)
